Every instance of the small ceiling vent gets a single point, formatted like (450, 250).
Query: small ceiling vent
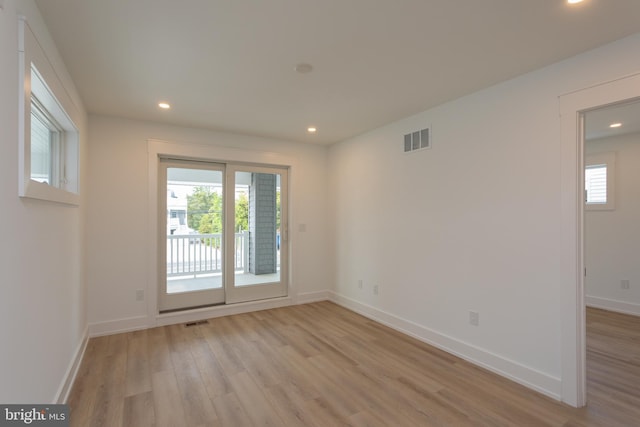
(418, 140)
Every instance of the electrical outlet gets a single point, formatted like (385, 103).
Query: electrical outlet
(375, 289)
(474, 318)
(140, 295)
(360, 284)
(624, 284)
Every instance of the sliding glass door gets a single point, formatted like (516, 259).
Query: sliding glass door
(223, 233)
(192, 247)
(257, 215)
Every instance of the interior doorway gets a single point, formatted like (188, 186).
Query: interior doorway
(573, 108)
(612, 207)
(611, 247)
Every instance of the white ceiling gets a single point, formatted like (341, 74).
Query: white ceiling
(597, 122)
(229, 64)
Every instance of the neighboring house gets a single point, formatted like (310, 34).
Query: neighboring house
(176, 213)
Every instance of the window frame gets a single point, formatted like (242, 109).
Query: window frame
(56, 175)
(38, 78)
(608, 160)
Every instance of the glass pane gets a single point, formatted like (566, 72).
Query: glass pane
(40, 150)
(194, 229)
(596, 184)
(257, 228)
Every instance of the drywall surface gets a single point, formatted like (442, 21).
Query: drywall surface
(42, 307)
(612, 237)
(472, 224)
(118, 217)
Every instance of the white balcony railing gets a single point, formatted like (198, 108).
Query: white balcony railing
(199, 254)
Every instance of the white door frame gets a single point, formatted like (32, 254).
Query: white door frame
(193, 299)
(264, 290)
(217, 154)
(573, 107)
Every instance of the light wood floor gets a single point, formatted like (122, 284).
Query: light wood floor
(321, 365)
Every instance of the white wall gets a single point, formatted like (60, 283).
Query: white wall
(612, 238)
(42, 302)
(118, 215)
(472, 224)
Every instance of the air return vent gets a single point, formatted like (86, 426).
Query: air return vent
(418, 140)
(197, 322)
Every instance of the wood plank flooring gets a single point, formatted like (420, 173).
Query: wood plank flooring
(322, 365)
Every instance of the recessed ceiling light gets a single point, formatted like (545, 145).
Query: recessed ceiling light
(303, 68)
(312, 129)
(615, 125)
(164, 105)
(574, 1)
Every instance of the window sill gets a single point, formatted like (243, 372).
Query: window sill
(38, 190)
(599, 207)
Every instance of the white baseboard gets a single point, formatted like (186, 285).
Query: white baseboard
(309, 297)
(613, 305)
(221, 310)
(143, 322)
(118, 326)
(531, 378)
(521, 374)
(72, 371)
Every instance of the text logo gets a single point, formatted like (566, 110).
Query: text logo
(34, 415)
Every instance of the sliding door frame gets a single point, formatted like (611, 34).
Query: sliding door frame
(191, 299)
(213, 150)
(263, 290)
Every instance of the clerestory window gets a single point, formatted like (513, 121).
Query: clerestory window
(49, 139)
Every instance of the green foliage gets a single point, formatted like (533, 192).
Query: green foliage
(242, 212)
(204, 211)
(198, 204)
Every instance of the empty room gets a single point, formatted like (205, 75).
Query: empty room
(315, 213)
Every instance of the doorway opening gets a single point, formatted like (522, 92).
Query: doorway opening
(222, 233)
(611, 236)
(573, 108)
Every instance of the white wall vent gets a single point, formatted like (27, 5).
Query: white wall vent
(418, 140)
